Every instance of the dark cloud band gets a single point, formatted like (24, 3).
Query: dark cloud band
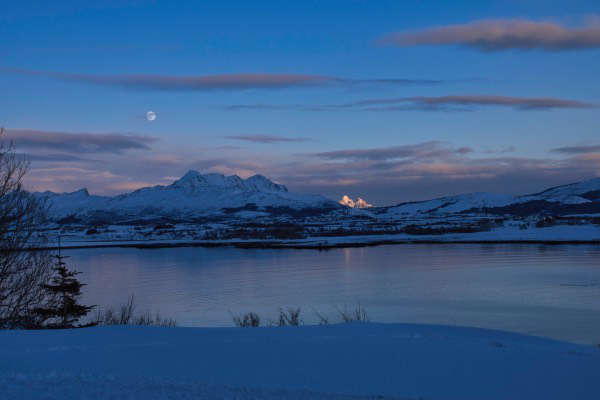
(422, 103)
(577, 149)
(243, 81)
(502, 34)
(78, 142)
(266, 138)
(427, 150)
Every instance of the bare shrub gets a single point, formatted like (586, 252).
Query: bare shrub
(291, 317)
(149, 319)
(126, 311)
(358, 314)
(125, 315)
(323, 319)
(248, 320)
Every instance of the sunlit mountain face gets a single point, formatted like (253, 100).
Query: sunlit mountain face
(359, 203)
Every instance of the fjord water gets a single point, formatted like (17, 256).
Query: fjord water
(545, 290)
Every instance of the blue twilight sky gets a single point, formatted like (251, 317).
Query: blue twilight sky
(387, 100)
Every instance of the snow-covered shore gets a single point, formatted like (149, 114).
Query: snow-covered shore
(316, 362)
(551, 235)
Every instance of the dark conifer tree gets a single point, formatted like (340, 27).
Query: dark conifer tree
(63, 309)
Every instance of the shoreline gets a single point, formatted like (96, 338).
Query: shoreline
(312, 245)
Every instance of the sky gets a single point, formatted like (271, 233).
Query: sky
(391, 101)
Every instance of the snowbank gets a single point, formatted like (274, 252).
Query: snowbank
(316, 362)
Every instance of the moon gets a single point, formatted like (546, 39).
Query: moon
(150, 115)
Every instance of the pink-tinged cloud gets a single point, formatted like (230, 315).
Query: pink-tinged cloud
(594, 157)
(503, 34)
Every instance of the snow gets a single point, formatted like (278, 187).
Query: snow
(566, 194)
(562, 233)
(509, 233)
(311, 362)
(453, 204)
(60, 386)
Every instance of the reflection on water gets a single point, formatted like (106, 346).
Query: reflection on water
(544, 290)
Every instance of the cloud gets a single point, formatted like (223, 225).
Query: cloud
(577, 149)
(265, 138)
(203, 83)
(429, 150)
(385, 175)
(70, 178)
(78, 142)
(503, 34)
(242, 81)
(423, 103)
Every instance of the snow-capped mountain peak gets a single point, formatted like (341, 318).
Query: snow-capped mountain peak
(359, 203)
(194, 181)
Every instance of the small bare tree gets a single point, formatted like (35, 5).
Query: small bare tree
(291, 317)
(22, 272)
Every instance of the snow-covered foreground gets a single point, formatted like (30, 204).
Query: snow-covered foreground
(311, 362)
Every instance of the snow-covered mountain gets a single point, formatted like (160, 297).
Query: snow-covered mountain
(574, 193)
(194, 194)
(579, 196)
(359, 203)
(452, 204)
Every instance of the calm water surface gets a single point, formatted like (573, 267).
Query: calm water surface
(551, 291)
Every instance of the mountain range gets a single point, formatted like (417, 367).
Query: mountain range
(197, 195)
